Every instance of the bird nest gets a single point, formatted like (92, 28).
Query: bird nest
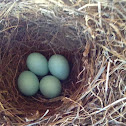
(91, 35)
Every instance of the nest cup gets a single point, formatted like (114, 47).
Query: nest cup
(47, 39)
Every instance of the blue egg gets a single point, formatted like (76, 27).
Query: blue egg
(59, 66)
(28, 83)
(37, 63)
(50, 86)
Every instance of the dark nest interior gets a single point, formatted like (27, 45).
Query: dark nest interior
(91, 35)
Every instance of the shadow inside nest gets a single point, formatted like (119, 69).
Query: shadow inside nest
(48, 39)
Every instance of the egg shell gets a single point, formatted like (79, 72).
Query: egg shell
(59, 66)
(37, 63)
(28, 83)
(50, 86)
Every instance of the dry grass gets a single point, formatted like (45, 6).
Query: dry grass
(91, 34)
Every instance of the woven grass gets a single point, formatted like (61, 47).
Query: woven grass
(91, 34)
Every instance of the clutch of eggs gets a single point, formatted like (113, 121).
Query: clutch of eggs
(49, 85)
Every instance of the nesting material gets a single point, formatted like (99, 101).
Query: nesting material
(91, 35)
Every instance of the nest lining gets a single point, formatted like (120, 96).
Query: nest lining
(20, 48)
(20, 44)
(95, 91)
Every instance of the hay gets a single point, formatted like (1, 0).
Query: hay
(92, 36)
